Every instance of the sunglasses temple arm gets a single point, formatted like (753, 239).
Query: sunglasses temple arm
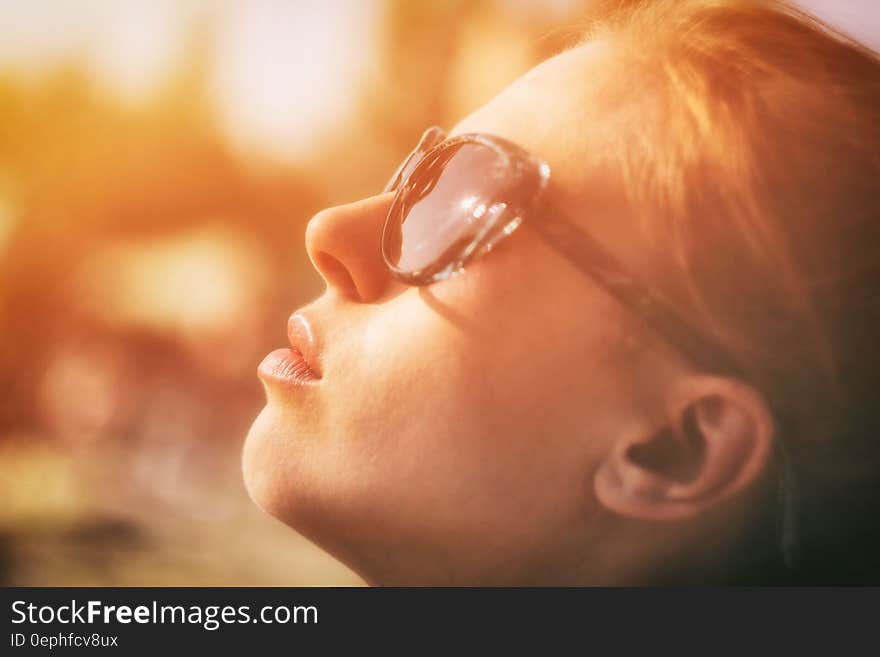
(589, 256)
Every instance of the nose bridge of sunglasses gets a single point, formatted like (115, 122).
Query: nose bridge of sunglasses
(430, 138)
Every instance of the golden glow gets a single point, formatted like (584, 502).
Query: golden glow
(284, 75)
(200, 281)
(148, 265)
(289, 73)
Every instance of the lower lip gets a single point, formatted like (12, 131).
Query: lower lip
(287, 366)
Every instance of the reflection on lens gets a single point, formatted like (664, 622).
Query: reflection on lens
(452, 199)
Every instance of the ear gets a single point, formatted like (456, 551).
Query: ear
(716, 439)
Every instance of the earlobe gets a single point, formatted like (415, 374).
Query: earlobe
(715, 441)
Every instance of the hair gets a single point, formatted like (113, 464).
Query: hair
(753, 171)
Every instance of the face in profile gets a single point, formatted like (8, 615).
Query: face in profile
(514, 422)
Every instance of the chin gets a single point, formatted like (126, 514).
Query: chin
(286, 482)
(262, 464)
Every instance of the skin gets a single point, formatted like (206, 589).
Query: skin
(482, 430)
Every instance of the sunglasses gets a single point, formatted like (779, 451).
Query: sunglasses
(456, 198)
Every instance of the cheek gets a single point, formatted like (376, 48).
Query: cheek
(465, 422)
(464, 414)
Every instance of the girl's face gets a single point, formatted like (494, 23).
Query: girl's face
(453, 433)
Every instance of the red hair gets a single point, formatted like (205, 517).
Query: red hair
(753, 172)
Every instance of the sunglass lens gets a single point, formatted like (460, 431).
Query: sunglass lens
(451, 201)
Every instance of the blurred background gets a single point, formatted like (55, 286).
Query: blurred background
(159, 161)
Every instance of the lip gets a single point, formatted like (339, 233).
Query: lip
(302, 337)
(299, 364)
(286, 366)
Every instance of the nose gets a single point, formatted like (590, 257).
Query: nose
(344, 245)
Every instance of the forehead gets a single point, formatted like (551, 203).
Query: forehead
(552, 110)
(573, 111)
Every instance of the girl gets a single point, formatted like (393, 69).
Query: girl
(619, 326)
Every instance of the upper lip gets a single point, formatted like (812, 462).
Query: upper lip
(302, 337)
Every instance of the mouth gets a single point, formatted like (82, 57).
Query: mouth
(297, 365)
